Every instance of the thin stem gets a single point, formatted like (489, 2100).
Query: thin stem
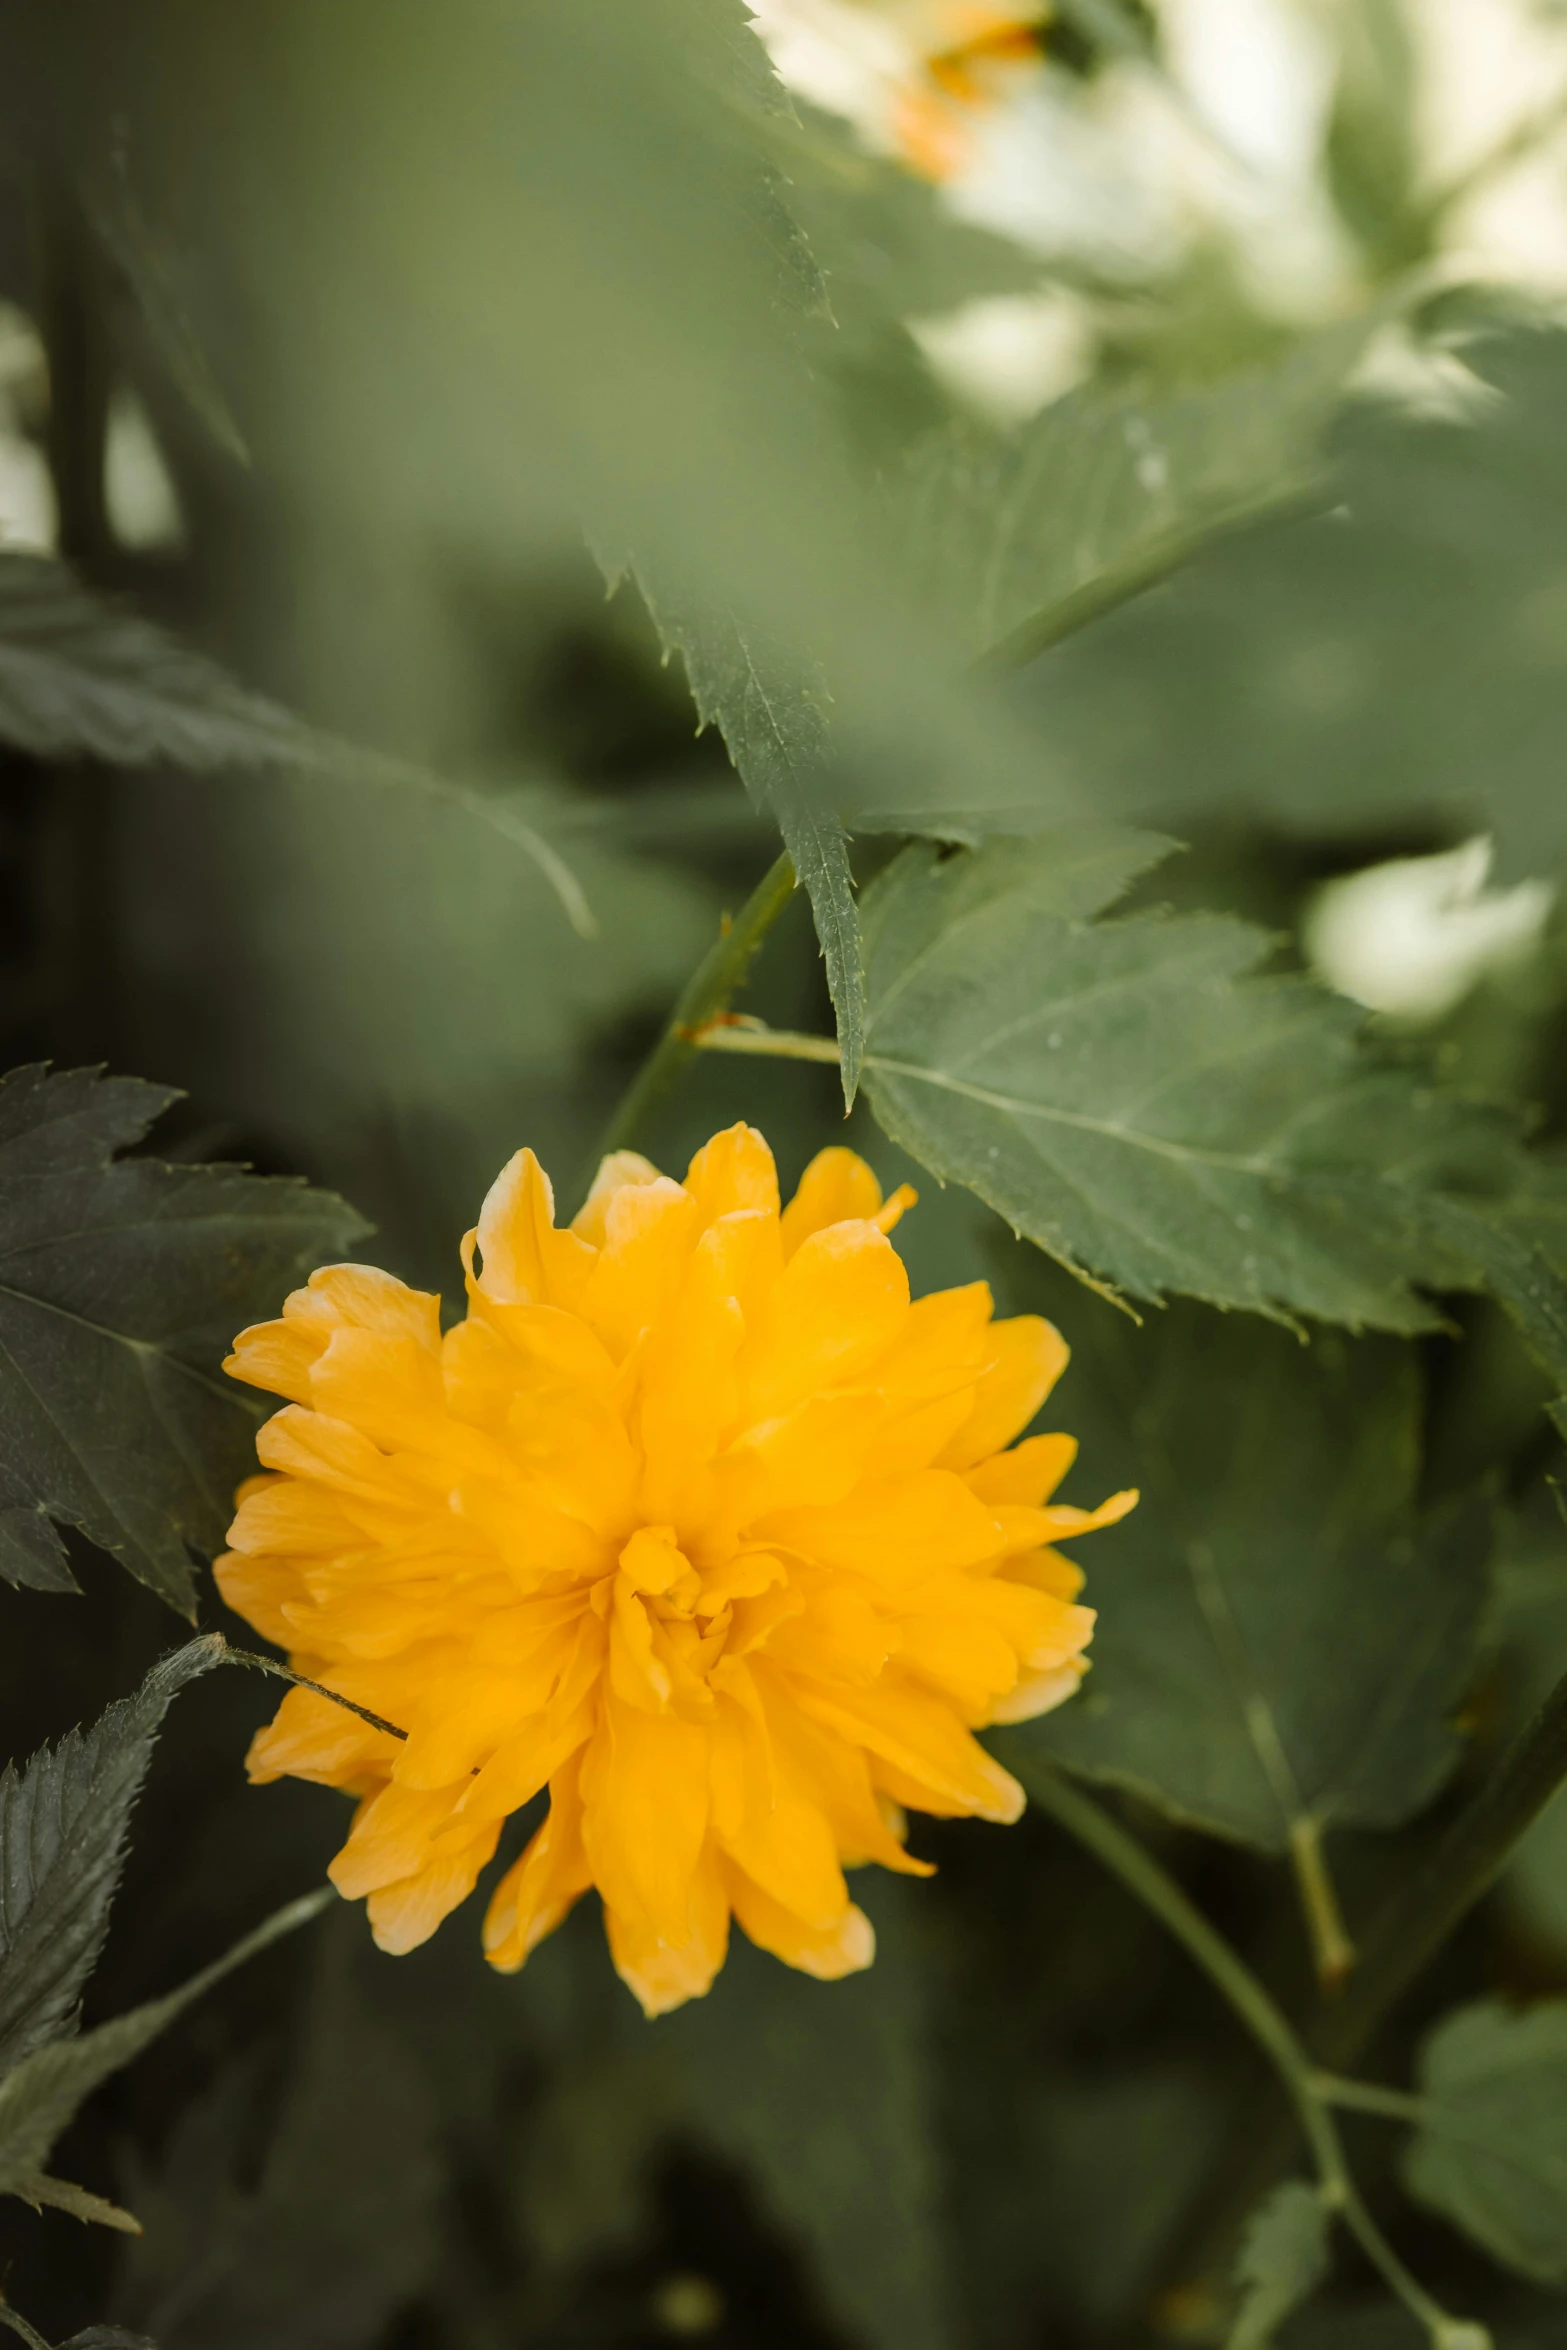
(1458, 1869)
(1417, 1918)
(1264, 2019)
(1159, 1892)
(754, 1037)
(720, 974)
(1394, 2105)
(282, 1672)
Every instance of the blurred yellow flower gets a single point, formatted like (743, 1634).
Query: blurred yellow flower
(696, 1520)
(910, 74)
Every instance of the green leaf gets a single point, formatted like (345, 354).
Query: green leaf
(63, 1824)
(41, 2096)
(1491, 2149)
(1132, 1099)
(820, 2092)
(84, 677)
(94, 2337)
(1024, 536)
(123, 1283)
(1283, 2259)
(1401, 658)
(773, 720)
(1283, 1643)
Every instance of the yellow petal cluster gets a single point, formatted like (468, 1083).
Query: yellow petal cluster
(697, 1521)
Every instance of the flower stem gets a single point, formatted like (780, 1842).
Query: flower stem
(1262, 2016)
(704, 1000)
(1458, 1869)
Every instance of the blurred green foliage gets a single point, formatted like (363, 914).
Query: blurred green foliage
(539, 385)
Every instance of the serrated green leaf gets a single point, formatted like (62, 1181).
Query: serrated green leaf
(1283, 2259)
(123, 1283)
(1491, 2148)
(1131, 1098)
(773, 720)
(41, 2096)
(84, 677)
(46, 2194)
(1288, 1642)
(1022, 536)
(63, 1823)
(93, 2338)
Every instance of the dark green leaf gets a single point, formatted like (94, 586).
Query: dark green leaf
(63, 1822)
(1282, 1644)
(1128, 1096)
(122, 1283)
(40, 2096)
(1491, 2151)
(1283, 2259)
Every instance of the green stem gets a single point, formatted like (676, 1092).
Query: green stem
(1394, 2105)
(755, 1038)
(1331, 1946)
(705, 998)
(1458, 1869)
(1263, 2018)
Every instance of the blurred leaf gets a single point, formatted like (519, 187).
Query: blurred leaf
(1128, 1096)
(109, 199)
(1400, 659)
(126, 1280)
(1288, 1643)
(394, 1004)
(1491, 2150)
(1371, 153)
(94, 2338)
(820, 2092)
(41, 2096)
(81, 677)
(1022, 537)
(63, 1825)
(1283, 2259)
(339, 2230)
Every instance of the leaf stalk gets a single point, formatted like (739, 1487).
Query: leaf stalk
(1268, 2025)
(705, 998)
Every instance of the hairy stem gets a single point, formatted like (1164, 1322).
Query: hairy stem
(281, 1672)
(1268, 2025)
(705, 998)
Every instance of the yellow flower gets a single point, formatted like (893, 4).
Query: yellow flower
(696, 1520)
